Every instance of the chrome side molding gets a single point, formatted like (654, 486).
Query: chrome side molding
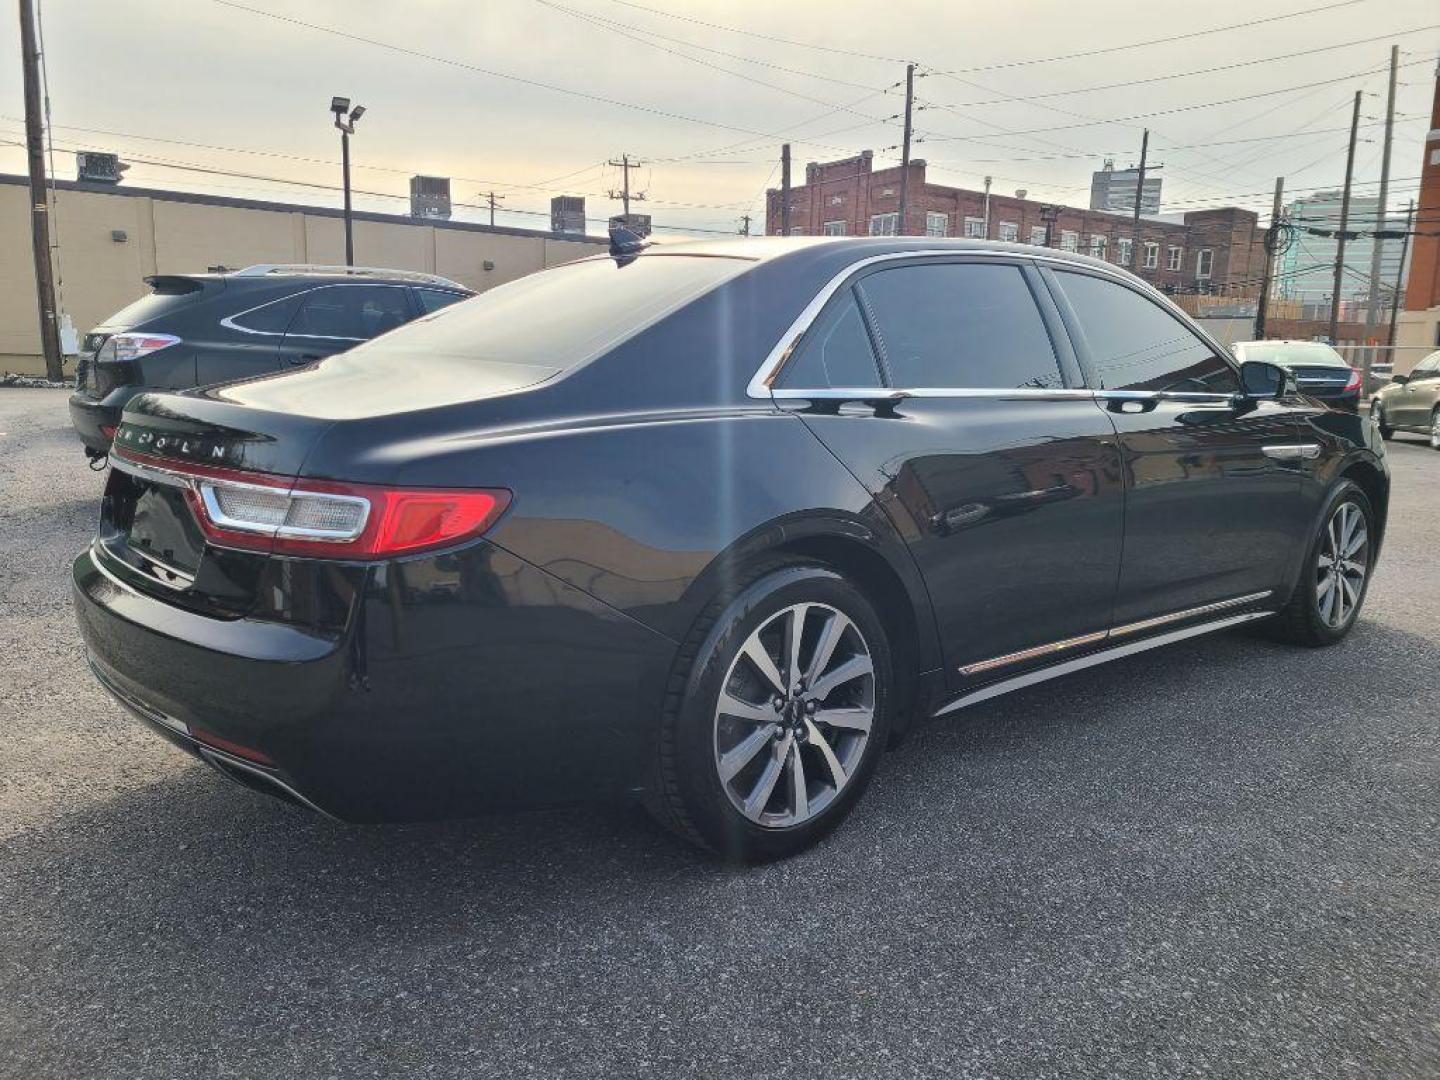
(982, 666)
(1292, 451)
(1031, 678)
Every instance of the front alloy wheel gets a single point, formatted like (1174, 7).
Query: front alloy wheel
(795, 715)
(1342, 565)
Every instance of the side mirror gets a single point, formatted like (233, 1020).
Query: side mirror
(1264, 381)
(1399, 380)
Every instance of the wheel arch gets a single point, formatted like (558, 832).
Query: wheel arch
(1376, 486)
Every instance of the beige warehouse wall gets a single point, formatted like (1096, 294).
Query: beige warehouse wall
(99, 275)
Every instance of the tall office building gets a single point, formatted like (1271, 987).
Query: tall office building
(1114, 189)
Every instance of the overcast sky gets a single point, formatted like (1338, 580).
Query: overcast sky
(487, 102)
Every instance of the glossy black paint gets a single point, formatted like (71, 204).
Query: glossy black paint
(530, 667)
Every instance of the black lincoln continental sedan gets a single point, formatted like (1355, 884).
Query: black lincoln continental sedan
(708, 525)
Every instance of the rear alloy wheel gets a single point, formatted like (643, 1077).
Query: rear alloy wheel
(1336, 572)
(1377, 417)
(1435, 430)
(778, 714)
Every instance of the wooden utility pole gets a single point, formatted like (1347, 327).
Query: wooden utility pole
(1272, 237)
(625, 195)
(39, 206)
(744, 224)
(1399, 277)
(905, 149)
(492, 201)
(1344, 224)
(785, 190)
(1372, 309)
(1139, 197)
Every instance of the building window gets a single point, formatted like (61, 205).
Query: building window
(1124, 247)
(1152, 255)
(1069, 241)
(937, 224)
(884, 224)
(834, 228)
(797, 230)
(1097, 246)
(1009, 231)
(1204, 263)
(1037, 235)
(975, 228)
(1173, 258)
(837, 200)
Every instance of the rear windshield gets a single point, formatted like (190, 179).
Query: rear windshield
(560, 318)
(162, 302)
(1295, 354)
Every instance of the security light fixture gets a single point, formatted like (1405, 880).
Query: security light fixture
(339, 104)
(356, 113)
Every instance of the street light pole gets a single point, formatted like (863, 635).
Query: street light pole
(345, 118)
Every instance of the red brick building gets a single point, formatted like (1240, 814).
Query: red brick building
(1201, 251)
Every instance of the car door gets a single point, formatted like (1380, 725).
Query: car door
(334, 318)
(992, 462)
(1410, 405)
(1213, 503)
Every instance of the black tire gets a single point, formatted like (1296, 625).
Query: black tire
(1300, 622)
(1377, 417)
(1434, 432)
(688, 795)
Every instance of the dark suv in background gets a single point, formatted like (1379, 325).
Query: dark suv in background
(201, 329)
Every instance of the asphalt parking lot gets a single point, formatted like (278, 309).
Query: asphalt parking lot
(1217, 859)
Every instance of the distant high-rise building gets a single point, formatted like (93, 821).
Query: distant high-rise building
(430, 197)
(567, 215)
(1307, 269)
(1114, 189)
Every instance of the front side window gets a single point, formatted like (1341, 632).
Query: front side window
(354, 312)
(835, 351)
(1174, 257)
(937, 224)
(1204, 262)
(834, 228)
(1069, 241)
(975, 228)
(1152, 256)
(959, 325)
(1010, 231)
(1135, 344)
(884, 224)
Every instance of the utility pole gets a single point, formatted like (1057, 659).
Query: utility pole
(744, 224)
(1344, 224)
(624, 194)
(345, 119)
(987, 207)
(1400, 275)
(1272, 237)
(1139, 194)
(39, 205)
(492, 201)
(785, 190)
(905, 148)
(1372, 311)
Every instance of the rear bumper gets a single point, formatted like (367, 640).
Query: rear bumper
(91, 416)
(510, 690)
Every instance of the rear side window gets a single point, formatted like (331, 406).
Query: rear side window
(1135, 344)
(271, 318)
(435, 299)
(959, 325)
(357, 312)
(835, 352)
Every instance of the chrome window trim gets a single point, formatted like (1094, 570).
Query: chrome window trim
(229, 321)
(982, 666)
(770, 368)
(153, 473)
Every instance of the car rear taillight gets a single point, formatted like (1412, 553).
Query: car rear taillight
(1354, 381)
(119, 348)
(327, 519)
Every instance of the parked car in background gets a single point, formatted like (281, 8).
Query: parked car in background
(1319, 370)
(1411, 402)
(199, 329)
(708, 525)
